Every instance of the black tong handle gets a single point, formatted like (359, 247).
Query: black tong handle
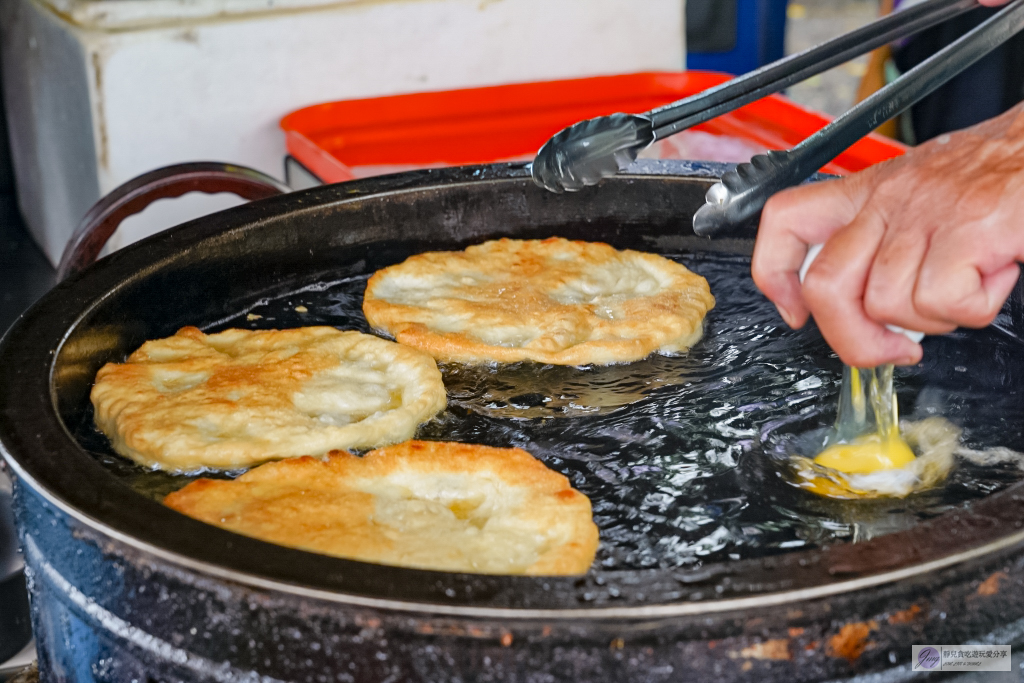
(783, 73)
(742, 193)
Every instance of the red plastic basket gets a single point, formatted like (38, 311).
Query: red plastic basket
(356, 138)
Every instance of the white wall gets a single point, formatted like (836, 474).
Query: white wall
(179, 85)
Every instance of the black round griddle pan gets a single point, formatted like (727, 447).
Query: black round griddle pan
(125, 589)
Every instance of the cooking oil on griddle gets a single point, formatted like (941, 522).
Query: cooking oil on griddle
(686, 458)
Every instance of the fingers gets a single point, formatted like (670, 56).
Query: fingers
(954, 285)
(791, 221)
(834, 291)
(889, 295)
(993, 3)
(997, 287)
(870, 274)
(926, 242)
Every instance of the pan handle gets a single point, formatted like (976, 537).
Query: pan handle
(210, 177)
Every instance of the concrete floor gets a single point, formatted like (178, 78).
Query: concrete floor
(815, 21)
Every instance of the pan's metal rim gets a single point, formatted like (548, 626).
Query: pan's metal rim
(420, 181)
(762, 601)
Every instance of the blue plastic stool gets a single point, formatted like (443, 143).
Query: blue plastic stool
(734, 36)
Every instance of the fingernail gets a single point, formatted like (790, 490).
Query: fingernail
(907, 360)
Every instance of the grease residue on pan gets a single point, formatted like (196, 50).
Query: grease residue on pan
(684, 457)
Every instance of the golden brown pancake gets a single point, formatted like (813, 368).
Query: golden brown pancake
(551, 301)
(446, 506)
(240, 397)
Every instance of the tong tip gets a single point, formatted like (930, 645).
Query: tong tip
(741, 193)
(586, 152)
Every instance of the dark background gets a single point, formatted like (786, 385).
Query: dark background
(25, 274)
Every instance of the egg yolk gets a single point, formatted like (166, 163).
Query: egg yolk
(867, 454)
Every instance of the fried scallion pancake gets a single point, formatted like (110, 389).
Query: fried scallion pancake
(551, 301)
(431, 505)
(240, 397)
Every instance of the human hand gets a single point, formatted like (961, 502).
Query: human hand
(928, 241)
(993, 3)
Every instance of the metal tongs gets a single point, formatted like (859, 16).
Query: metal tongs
(588, 151)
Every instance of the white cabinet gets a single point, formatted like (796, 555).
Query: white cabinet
(98, 91)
